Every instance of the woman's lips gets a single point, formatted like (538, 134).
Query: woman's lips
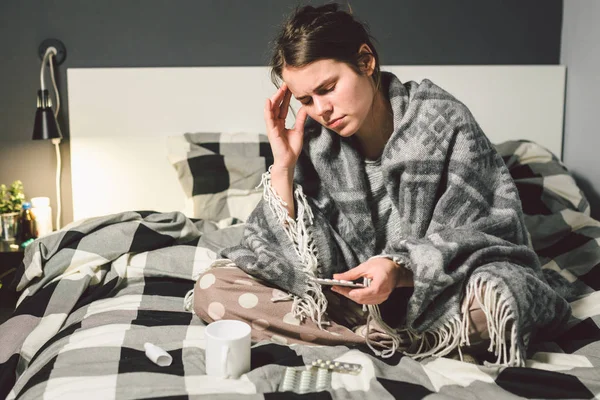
(335, 123)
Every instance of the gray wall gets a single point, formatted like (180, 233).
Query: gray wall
(580, 52)
(128, 33)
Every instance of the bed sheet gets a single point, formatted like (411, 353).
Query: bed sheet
(96, 291)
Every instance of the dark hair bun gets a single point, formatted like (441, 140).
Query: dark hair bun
(327, 8)
(323, 32)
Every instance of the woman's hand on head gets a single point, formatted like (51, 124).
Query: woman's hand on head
(385, 276)
(286, 144)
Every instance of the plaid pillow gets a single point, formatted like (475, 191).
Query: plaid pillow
(545, 184)
(219, 172)
(557, 213)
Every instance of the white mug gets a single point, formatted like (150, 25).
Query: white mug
(227, 348)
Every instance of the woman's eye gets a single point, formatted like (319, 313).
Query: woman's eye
(321, 92)
(327, 90)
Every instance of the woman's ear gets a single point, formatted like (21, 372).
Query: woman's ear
(366, 60)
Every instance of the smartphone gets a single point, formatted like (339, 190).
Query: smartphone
(336, 282)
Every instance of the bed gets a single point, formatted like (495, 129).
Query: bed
(165, 164)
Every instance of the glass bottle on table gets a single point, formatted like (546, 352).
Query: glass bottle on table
(26, 223)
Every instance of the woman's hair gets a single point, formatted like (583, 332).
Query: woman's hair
(324, 32)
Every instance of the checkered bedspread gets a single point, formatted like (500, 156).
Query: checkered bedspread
(96, 291)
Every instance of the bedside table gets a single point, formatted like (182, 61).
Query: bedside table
(10, 259)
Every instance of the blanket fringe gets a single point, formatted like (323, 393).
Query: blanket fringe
(188, 301)
(313, 304)
(375, 317)
(500, 318)
(438, 342)
(296, 230)
(454, 334)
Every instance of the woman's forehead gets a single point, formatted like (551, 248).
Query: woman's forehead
(304, 80)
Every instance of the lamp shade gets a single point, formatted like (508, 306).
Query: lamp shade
(45, 126)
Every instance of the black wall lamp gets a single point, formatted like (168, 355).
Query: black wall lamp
(53, 53)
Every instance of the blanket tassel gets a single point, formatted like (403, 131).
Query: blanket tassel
(454, 334)
(313, 304)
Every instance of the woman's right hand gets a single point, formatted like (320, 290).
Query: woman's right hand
(286, 144)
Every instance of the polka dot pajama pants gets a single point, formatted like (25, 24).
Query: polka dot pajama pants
(230, 293)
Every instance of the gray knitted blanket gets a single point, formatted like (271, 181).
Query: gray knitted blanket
(462, 231)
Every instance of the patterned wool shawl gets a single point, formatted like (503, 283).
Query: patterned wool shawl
(461, 233)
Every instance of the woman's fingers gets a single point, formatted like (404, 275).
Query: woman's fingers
(285, 105)
(268, 115)
(352, 274)
(278, 96)
(360, 296)
(300, 120)
(376, 293)
(276, 108)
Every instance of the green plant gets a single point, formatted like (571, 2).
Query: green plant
(11, 199)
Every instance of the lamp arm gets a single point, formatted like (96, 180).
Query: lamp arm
(56, 95)
(50, 51)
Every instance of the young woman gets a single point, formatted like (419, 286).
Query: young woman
(391, 183)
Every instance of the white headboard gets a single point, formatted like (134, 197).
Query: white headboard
(120, 119)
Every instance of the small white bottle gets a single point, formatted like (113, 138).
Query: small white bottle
(43, 215)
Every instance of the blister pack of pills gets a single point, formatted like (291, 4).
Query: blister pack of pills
(337, 366)
(305, 380)
(315, 377)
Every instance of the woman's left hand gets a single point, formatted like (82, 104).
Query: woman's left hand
(385, 276)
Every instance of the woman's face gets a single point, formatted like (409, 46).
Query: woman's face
(333, 94)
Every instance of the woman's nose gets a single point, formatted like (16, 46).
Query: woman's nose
(322, 106)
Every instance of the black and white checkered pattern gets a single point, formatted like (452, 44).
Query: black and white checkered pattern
(557, 213)
(96, 291)
(219, 172)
